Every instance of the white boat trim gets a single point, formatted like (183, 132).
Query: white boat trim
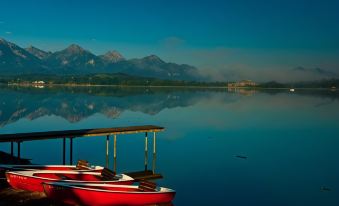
(30, 174)
(83, 186)
(5, 166)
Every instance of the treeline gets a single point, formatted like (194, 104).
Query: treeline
(102, 79)
(128, 80)
(326, 83)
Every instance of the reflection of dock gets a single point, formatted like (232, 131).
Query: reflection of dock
(19, 138)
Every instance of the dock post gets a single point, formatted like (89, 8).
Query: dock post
(107, 146)
(64, 151)
(154, 152)
(154, 160)
(115, 153)
(154, 146)
(146, 151)
(12, 153)
(71, 151)
(19, 151)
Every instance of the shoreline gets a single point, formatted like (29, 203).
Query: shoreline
(165, 86)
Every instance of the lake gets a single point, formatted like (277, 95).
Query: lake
(220, 147)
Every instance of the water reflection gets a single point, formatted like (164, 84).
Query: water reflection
(289, 139)
(77, 103)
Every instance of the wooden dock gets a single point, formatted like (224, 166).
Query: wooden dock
(20, 137)
(71, 134)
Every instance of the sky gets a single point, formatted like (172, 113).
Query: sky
(254, 38)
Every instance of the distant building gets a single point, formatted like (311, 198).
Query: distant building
(243, 83)
(38, 82)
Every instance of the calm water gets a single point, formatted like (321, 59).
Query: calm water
(291, 140)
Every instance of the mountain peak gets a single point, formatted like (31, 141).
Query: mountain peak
(153, 58)
(75, 48)
(112, 56)
(15, 59)
(113, 53)
(74, 58)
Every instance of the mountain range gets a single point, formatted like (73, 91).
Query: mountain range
(315, 71)
(74, 60)
(15, 60)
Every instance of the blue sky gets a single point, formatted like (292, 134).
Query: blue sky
(213, 35)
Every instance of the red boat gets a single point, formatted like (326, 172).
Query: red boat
(32, 180)
(48, 167)
(82, 165)
(104, 194)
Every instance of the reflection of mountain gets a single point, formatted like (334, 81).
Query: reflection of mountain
(75, 104)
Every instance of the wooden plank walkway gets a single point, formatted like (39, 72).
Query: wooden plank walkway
(19, 137)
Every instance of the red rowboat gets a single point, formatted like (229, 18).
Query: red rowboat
(82, 165)
(48, 167)
(32, 180)
(104, 195)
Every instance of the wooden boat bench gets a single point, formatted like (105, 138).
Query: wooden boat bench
(108, 175)
(82, 165)
(147, 186)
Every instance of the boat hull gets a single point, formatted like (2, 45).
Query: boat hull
(126, 195)
(4, 168)
(33, 183)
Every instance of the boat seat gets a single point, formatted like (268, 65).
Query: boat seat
(83, 165)
(107, 175)
(147, 186)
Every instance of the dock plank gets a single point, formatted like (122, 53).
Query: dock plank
(16, 137)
